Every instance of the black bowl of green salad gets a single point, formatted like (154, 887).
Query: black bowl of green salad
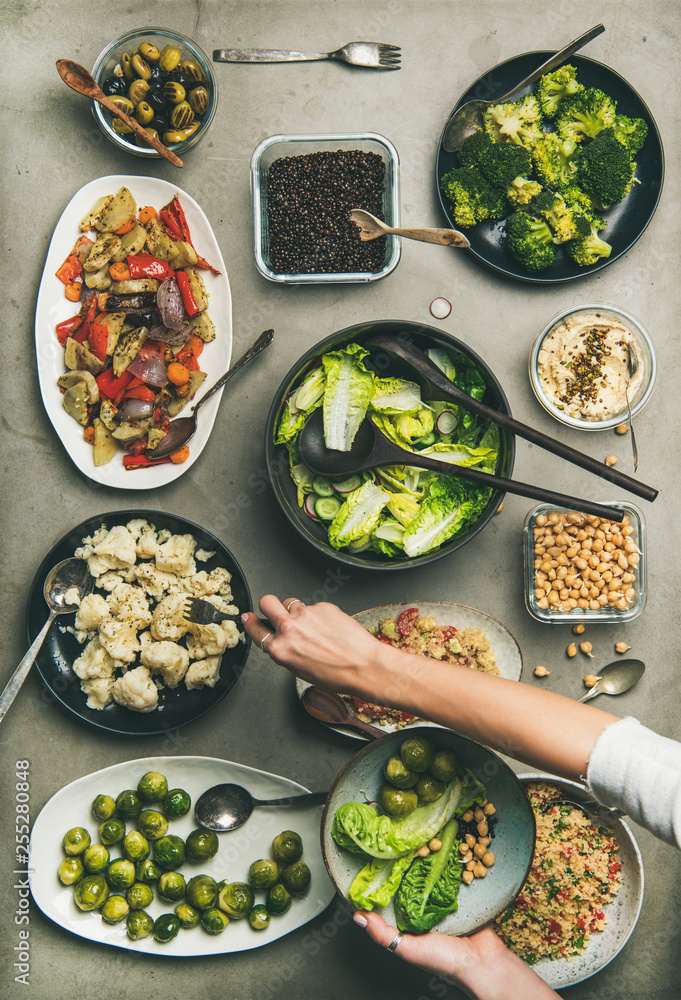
(392, 517)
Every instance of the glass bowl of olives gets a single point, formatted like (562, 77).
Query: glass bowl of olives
(165, 81)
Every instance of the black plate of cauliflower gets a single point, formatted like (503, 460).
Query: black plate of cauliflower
(128, 661)
(501, 240)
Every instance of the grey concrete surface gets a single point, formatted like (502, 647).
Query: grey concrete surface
(50, 148)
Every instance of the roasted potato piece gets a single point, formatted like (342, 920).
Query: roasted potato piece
(178, 403)
(158, 241)
(203, 327)
(127, 348)
(96, 212)
(107, 414)
(183, 255)
(75, 402)
(77, 356)
(120, 210)
(132, 242)
(100, 280)
(134, 286)
(197, 287)
(102, 251)
(105, 447)
(128, 430)
(153, 437)
(114, 322)
(69, 379)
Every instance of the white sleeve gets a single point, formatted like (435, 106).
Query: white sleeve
(636, 770)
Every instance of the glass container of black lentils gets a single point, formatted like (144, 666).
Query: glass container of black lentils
(303, 188)
(165, 81)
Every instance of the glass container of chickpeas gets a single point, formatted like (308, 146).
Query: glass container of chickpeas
(584, 568)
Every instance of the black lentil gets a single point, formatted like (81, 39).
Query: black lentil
(308, 201)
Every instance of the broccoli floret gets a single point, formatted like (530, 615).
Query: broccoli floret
(474, 148)
(503, 162)
(631, 132)
(588, 249)
(522, 190)
(554, 160)
(566, 222)
(585, 115)
(518, 122)
(605, 170)
(472, 196)
(553, 88)
(530, 241)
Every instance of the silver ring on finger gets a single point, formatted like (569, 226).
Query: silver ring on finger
(395, 942)
(267, 636)
(294, 600)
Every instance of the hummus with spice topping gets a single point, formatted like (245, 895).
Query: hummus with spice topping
(582, 366)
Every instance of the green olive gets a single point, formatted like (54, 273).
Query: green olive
(192, 71)
(126, 66)
(398, 775)
(259, 918)
(174, 91)
(139, 895)
(123, 104)
(191, 129)
(103, 806)
(152, 824)
(444, 766)
(153, 787)
(166, 927)
(182, 115)
(91, 892)
(278, 900)
(263, 874)
(111, 831)
(96, 858)
(121, 127)
(137, 91)
(177, 803)
(135, 847)
(296, 877)
(187, 915)
(149, 52)
(128, 804)
(169, 58)
(417, 753)
(70, 870)
(287, 846)
(139, 925)
(198, 100)
(397, 801)
(140, 66)
(144, 113)
(173, 136)
(115, 909)
(76, 841)
(171, 886)
(141, 140)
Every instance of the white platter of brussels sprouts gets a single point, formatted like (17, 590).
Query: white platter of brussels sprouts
(116, 857)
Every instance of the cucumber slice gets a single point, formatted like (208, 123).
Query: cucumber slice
(347, 485)
(322, 486)
(428, 439)
(327, 507)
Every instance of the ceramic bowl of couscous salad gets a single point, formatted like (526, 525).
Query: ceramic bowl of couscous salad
(582, 897)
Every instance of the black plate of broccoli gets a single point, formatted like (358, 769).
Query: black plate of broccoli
(620, 225)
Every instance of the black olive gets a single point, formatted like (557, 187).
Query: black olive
(156, 99)
(155, 74)
(114, 87)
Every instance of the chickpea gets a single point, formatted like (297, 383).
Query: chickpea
(622, 429)
(467, 877)
(479, 850)
(500, 507)
(488, 859)
(571, 650)
(586, 648)
(621, 647)
(543, 603)
(541, 520)
(479, 871)
(435, 844)
(578, 629)
(464, 849)
(467, 816)
(622, 604)
(590, 680)
(470, 840)
(541, 672)
(471, 865)
(423, 852)
(485, 841)
(478, 814)
(483, 828)
(611, 460)
(582, 603)
(489, 809)
(553, 518)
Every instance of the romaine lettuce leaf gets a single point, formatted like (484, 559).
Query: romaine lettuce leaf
(429, 890)
(359, 515)
(460, 454)
(377, 882)
(404, 508)
(394, 395)
(450, 506)
(473, 790)
(348, 392)
(299, 405)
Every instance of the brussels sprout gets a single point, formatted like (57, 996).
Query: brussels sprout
(397, 801)
(96, 858)
(91, 892)
(70, 870)
(128, 804)
(287, 847)
(115, 909)
(202, 892)
(259, 918)
(111, 831)
(236, 899)
(120, 874)
(153, 787)
(444, 766)
(171, 886)
(76, 841)
(139, 895)
(398, 775)
(221, 885)
(187, 915)
(147, 871)
(139, 925)
(103, 807)
(417, 753)
(214, 921)
(176, 803)
(135, 847)
(429, 789)
(202, 845)
(169, 852)
(263, 874)
(296, 877)
(166, 927)
(278, 899)
(152, 824)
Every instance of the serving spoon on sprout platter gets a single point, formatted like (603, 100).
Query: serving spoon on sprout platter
(65, 586)
(227, 807)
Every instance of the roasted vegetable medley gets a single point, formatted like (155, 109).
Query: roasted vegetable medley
(132, 350)
(137, 823)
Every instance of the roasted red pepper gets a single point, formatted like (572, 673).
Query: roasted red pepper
(141, 392)
(137, 446)
(174, 218)
(190, 306)
(67, 328)
(111, 385)
(131, 462)
(145, 265)
(407, 620)
(70, 269)
(99, 339)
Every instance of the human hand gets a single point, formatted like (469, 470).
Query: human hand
(481, 964)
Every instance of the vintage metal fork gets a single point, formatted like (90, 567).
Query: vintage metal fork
(204, 613)
(374, 55)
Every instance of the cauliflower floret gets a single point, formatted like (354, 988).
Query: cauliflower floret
(116, 551)
(109, 580)
(203, 555)
(94, 662)
(156, 582)
(119, 639)
(92, 610)
(145, 639)
(128, 604)
(98, 691)
(211, 640)
(89, 543)
(145, 537)
(136, 690)
(203, 673)
(167, 659)
(169, 622)
(175, 555)
(204, 584)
